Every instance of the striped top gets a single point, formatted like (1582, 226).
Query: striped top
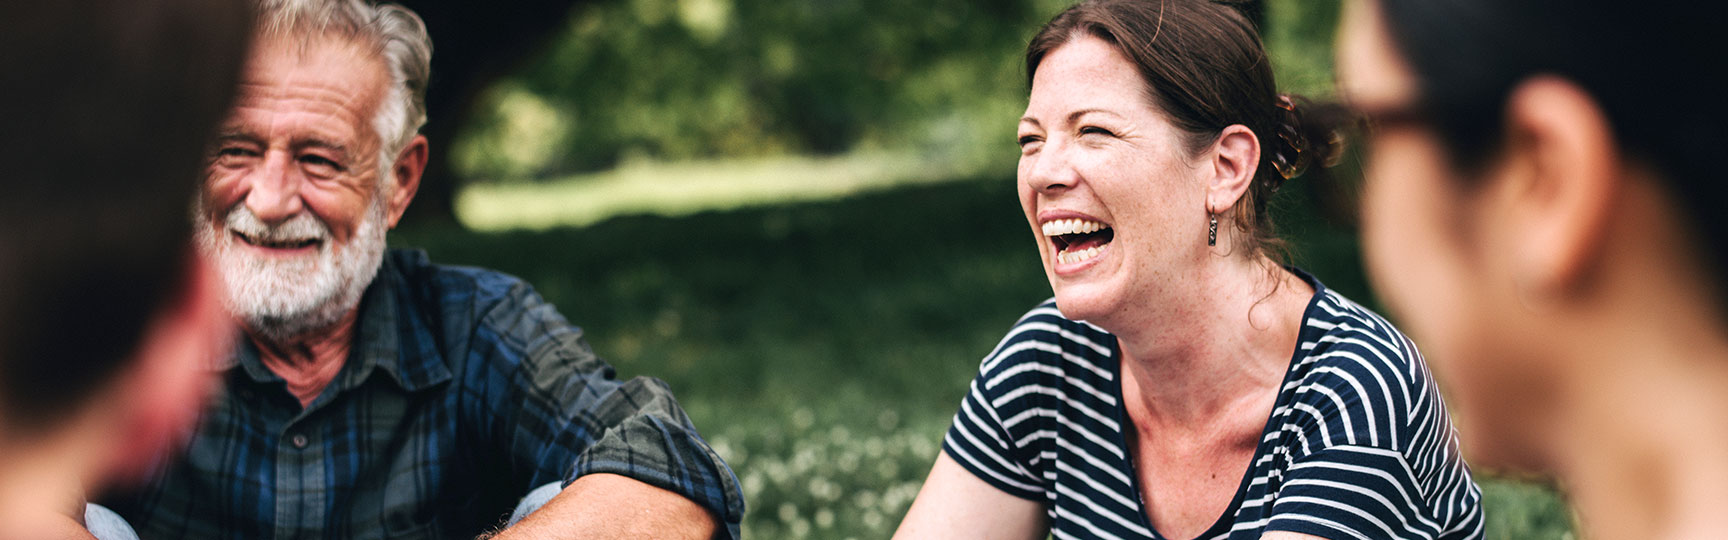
(1358, 445)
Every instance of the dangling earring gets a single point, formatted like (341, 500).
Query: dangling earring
(1212, 230)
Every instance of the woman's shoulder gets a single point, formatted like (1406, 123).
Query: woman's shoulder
(1340, 335)
(1359, 375)
(1047, 350)
(1360, 409)
(1044, 335)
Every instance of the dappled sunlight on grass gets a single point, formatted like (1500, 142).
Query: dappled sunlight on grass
(676, 189)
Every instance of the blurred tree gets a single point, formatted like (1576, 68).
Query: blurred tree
(621, 80)
(475, 44)
(683, 79)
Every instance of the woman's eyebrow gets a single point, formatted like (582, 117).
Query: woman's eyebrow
(1073, 116)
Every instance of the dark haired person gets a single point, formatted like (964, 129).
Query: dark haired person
(1182, 384)
(1544, 208)
(105, 308)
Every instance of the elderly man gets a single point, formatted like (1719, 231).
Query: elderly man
(377, 394)
(105, 309)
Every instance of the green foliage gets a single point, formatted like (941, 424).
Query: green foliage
(1298, 37)
(1525, 511)
(683, 79)
(823, 347)
(673, 80)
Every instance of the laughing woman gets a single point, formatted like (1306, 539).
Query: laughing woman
(1182, 384)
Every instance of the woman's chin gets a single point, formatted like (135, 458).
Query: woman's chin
(1085, 303)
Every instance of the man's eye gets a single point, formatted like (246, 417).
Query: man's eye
(231, 155)
(320, 165)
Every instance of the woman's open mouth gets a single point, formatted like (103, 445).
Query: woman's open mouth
(1077, 240)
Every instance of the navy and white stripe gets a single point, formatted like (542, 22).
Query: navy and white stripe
(1359, 445)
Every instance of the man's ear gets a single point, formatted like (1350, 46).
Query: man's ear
(409, 166)
(158, 397)
(1232, 162)
(1564, 175)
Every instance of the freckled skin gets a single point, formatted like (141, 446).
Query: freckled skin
(1097, 146)
(300, 136)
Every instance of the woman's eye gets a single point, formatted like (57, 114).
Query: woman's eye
(1028, 139)
(1095, 130)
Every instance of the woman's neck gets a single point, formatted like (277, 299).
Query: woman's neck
(1234, 336)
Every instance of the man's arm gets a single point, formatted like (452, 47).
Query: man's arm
(625, 447)
(612, 506)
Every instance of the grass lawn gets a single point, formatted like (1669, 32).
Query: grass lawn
(823, 346)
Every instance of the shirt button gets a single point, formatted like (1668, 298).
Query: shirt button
(299, 441)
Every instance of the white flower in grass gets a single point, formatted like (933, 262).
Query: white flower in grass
(848, 462)
(888, 420)
(873, 519)
(865, 499)
(803, 418)
(753, 484)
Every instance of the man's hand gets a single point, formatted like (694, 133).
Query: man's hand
(613, 506)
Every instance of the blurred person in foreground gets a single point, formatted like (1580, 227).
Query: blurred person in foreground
(1544, 207)
(105, 307)
(377, 394)
(1182, 384)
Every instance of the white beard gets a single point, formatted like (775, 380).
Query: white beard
(283, 298)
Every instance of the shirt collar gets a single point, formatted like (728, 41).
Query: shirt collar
(404, 347)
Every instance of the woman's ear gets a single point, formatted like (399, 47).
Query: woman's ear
(1232, 162)
(1562, 176)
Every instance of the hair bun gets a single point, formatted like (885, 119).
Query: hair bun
(1304, 138)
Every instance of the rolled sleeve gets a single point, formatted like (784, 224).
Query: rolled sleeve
(566, 415)
(648, 438)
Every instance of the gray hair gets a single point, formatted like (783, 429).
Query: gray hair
(394, 31)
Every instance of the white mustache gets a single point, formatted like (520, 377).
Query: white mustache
(300, 228)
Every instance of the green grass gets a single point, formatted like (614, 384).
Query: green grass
(823, 346)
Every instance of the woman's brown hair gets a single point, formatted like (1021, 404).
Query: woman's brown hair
(1204, 67)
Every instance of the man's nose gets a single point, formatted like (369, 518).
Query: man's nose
(275, 189)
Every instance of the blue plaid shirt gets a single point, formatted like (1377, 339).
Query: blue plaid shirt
(464, 391)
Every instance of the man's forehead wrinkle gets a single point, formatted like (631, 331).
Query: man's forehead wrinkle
(304, 103)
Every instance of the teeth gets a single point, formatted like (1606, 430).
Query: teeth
(1060, 227)
(1071, 257)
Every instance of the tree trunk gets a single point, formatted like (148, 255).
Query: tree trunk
(474, 44)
